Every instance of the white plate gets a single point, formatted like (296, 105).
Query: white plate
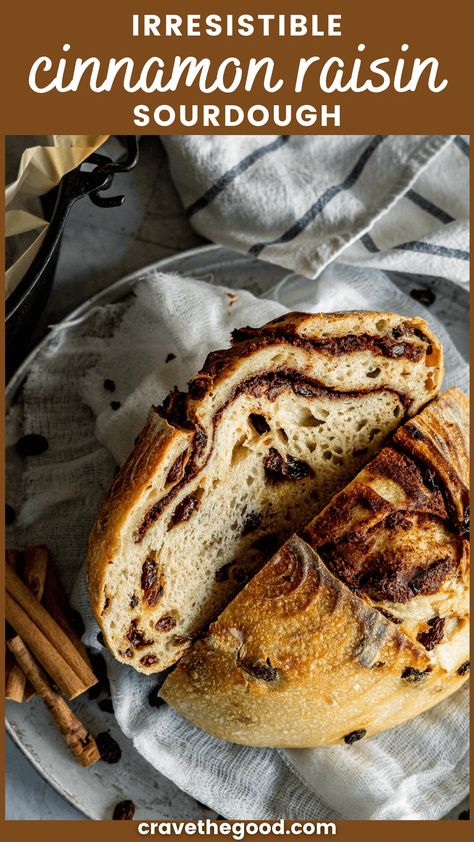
(95, 791)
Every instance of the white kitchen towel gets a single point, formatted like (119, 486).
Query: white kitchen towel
(394, 202)
(416, 771)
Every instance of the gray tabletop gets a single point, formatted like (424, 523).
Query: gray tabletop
(99, 247)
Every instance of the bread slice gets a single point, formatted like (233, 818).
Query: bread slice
(362, 624)
(268, 431)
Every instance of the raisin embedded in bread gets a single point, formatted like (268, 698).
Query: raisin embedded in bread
(268, 431)
(363, 622)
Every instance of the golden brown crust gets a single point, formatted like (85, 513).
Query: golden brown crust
(126, 489)
(298, 658)
(332, 333)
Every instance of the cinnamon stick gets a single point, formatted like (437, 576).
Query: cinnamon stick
(14, 677)
(56, 603)
(36, 615)
(76, 736)
(34, 575)
(49, 657)
(34, 570)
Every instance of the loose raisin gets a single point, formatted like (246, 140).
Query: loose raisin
(124, 810)
(424, 296)
(464, 668)
(110, 751)
(106, 705)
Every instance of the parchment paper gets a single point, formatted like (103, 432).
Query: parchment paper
(41, 169)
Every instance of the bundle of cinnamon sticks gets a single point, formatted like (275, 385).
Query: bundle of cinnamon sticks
(44, 654)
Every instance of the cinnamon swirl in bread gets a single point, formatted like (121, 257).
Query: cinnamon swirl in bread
(268, 431)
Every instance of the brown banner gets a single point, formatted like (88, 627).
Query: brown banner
(417, 50)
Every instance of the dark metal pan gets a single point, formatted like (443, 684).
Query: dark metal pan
(28, 299)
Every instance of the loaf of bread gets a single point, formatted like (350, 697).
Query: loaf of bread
(222, 475)
(360, 624)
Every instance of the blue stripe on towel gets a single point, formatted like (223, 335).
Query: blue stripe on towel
(429, 207)
(368, 242)
(230, 176)
(323, 200)
(432, 248)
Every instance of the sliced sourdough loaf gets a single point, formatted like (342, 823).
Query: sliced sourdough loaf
(221, 475)
(360, 624)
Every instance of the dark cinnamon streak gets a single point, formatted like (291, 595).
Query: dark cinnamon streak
(176, 411)
(390, 574)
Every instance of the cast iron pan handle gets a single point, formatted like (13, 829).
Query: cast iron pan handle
(73, 186)
(124, 164)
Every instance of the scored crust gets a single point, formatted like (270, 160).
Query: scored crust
(221, 475)
(362, 624)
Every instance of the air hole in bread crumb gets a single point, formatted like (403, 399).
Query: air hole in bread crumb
(381, 325)
(361, 424)
(283, 435)
(259, 423)
(397, 411)
(307, 419)
(374, 431)
(327, 455)
(239, 453)
(429, 383)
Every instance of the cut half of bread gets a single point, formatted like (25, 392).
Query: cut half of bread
(360, 624)
(268, 431)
